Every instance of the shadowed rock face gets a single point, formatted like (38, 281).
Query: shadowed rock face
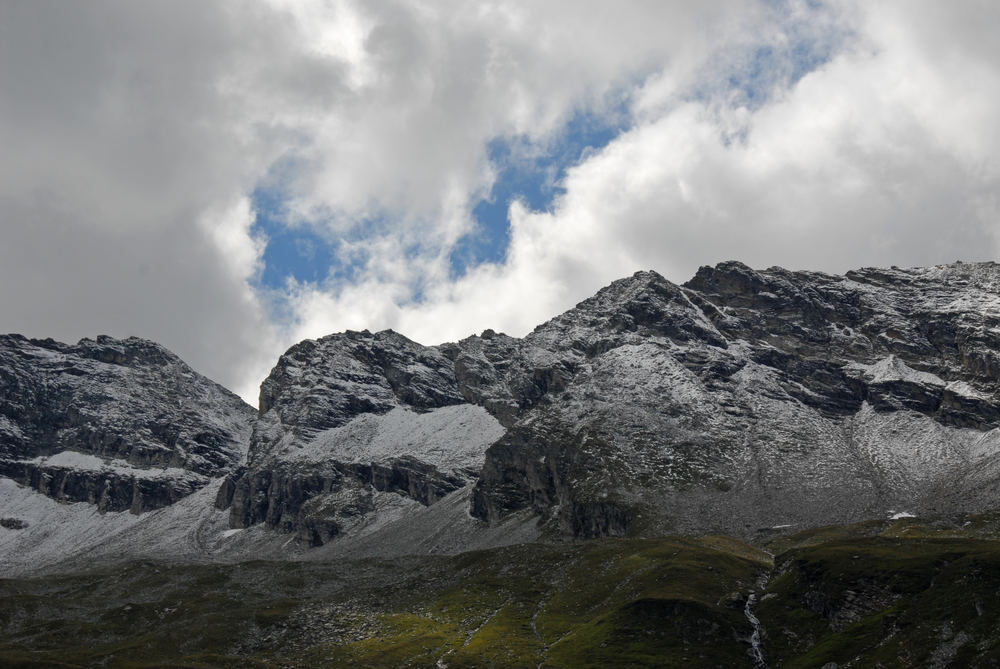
(123, 424)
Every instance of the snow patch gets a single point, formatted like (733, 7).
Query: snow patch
(893, 369)
(908, 446)
(963, 389)
(453, 437)
(55, 530)
(93, 463)
(8, 427)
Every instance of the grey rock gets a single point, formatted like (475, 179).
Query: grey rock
(737, 402)
(336, 382)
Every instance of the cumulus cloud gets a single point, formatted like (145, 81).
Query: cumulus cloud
(118, 141)
(810, 135)
(883, 155)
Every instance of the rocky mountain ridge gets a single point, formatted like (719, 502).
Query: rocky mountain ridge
(742, 399)
(121, 424)
(739, 401)
(748, 399)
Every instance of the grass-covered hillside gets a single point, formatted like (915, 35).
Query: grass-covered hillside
(905, 594)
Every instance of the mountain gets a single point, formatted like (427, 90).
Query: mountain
(747, 399)
(741, 400)
(350, 416)
(395, 504)
(738, 402)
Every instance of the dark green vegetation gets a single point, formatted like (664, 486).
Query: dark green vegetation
(881, 594)
(910, 595)
(643, 602)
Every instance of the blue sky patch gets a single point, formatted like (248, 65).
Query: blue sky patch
(751, 77)
(296, 251)
(528, 171)
(769, 68)
(531, 173)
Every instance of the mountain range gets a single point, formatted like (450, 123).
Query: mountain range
(759, 405)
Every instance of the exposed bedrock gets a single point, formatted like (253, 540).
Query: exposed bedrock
(747, 399)
(740, 400)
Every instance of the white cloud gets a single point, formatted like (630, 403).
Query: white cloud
(883, 155)
(123, 155)
(133, 136)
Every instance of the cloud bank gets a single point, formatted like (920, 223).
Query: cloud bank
(139, 141)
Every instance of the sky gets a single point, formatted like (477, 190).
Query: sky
(228, 178)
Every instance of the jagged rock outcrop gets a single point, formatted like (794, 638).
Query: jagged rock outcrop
(122, 424)
(388, 413)
(351, 415)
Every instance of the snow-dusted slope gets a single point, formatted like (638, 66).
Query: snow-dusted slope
(350, 416)
(449, 438)
(740, 400)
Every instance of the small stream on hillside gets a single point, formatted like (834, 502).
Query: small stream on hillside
(756, 645)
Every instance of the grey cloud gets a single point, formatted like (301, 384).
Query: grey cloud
(118, 133)
(67, 281)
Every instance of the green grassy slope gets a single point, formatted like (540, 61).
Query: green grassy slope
(904, 594)
(885, 602)
(643, 602)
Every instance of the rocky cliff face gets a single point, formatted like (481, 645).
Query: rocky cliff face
(122, 424)
(347, 417)
(352, 415)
